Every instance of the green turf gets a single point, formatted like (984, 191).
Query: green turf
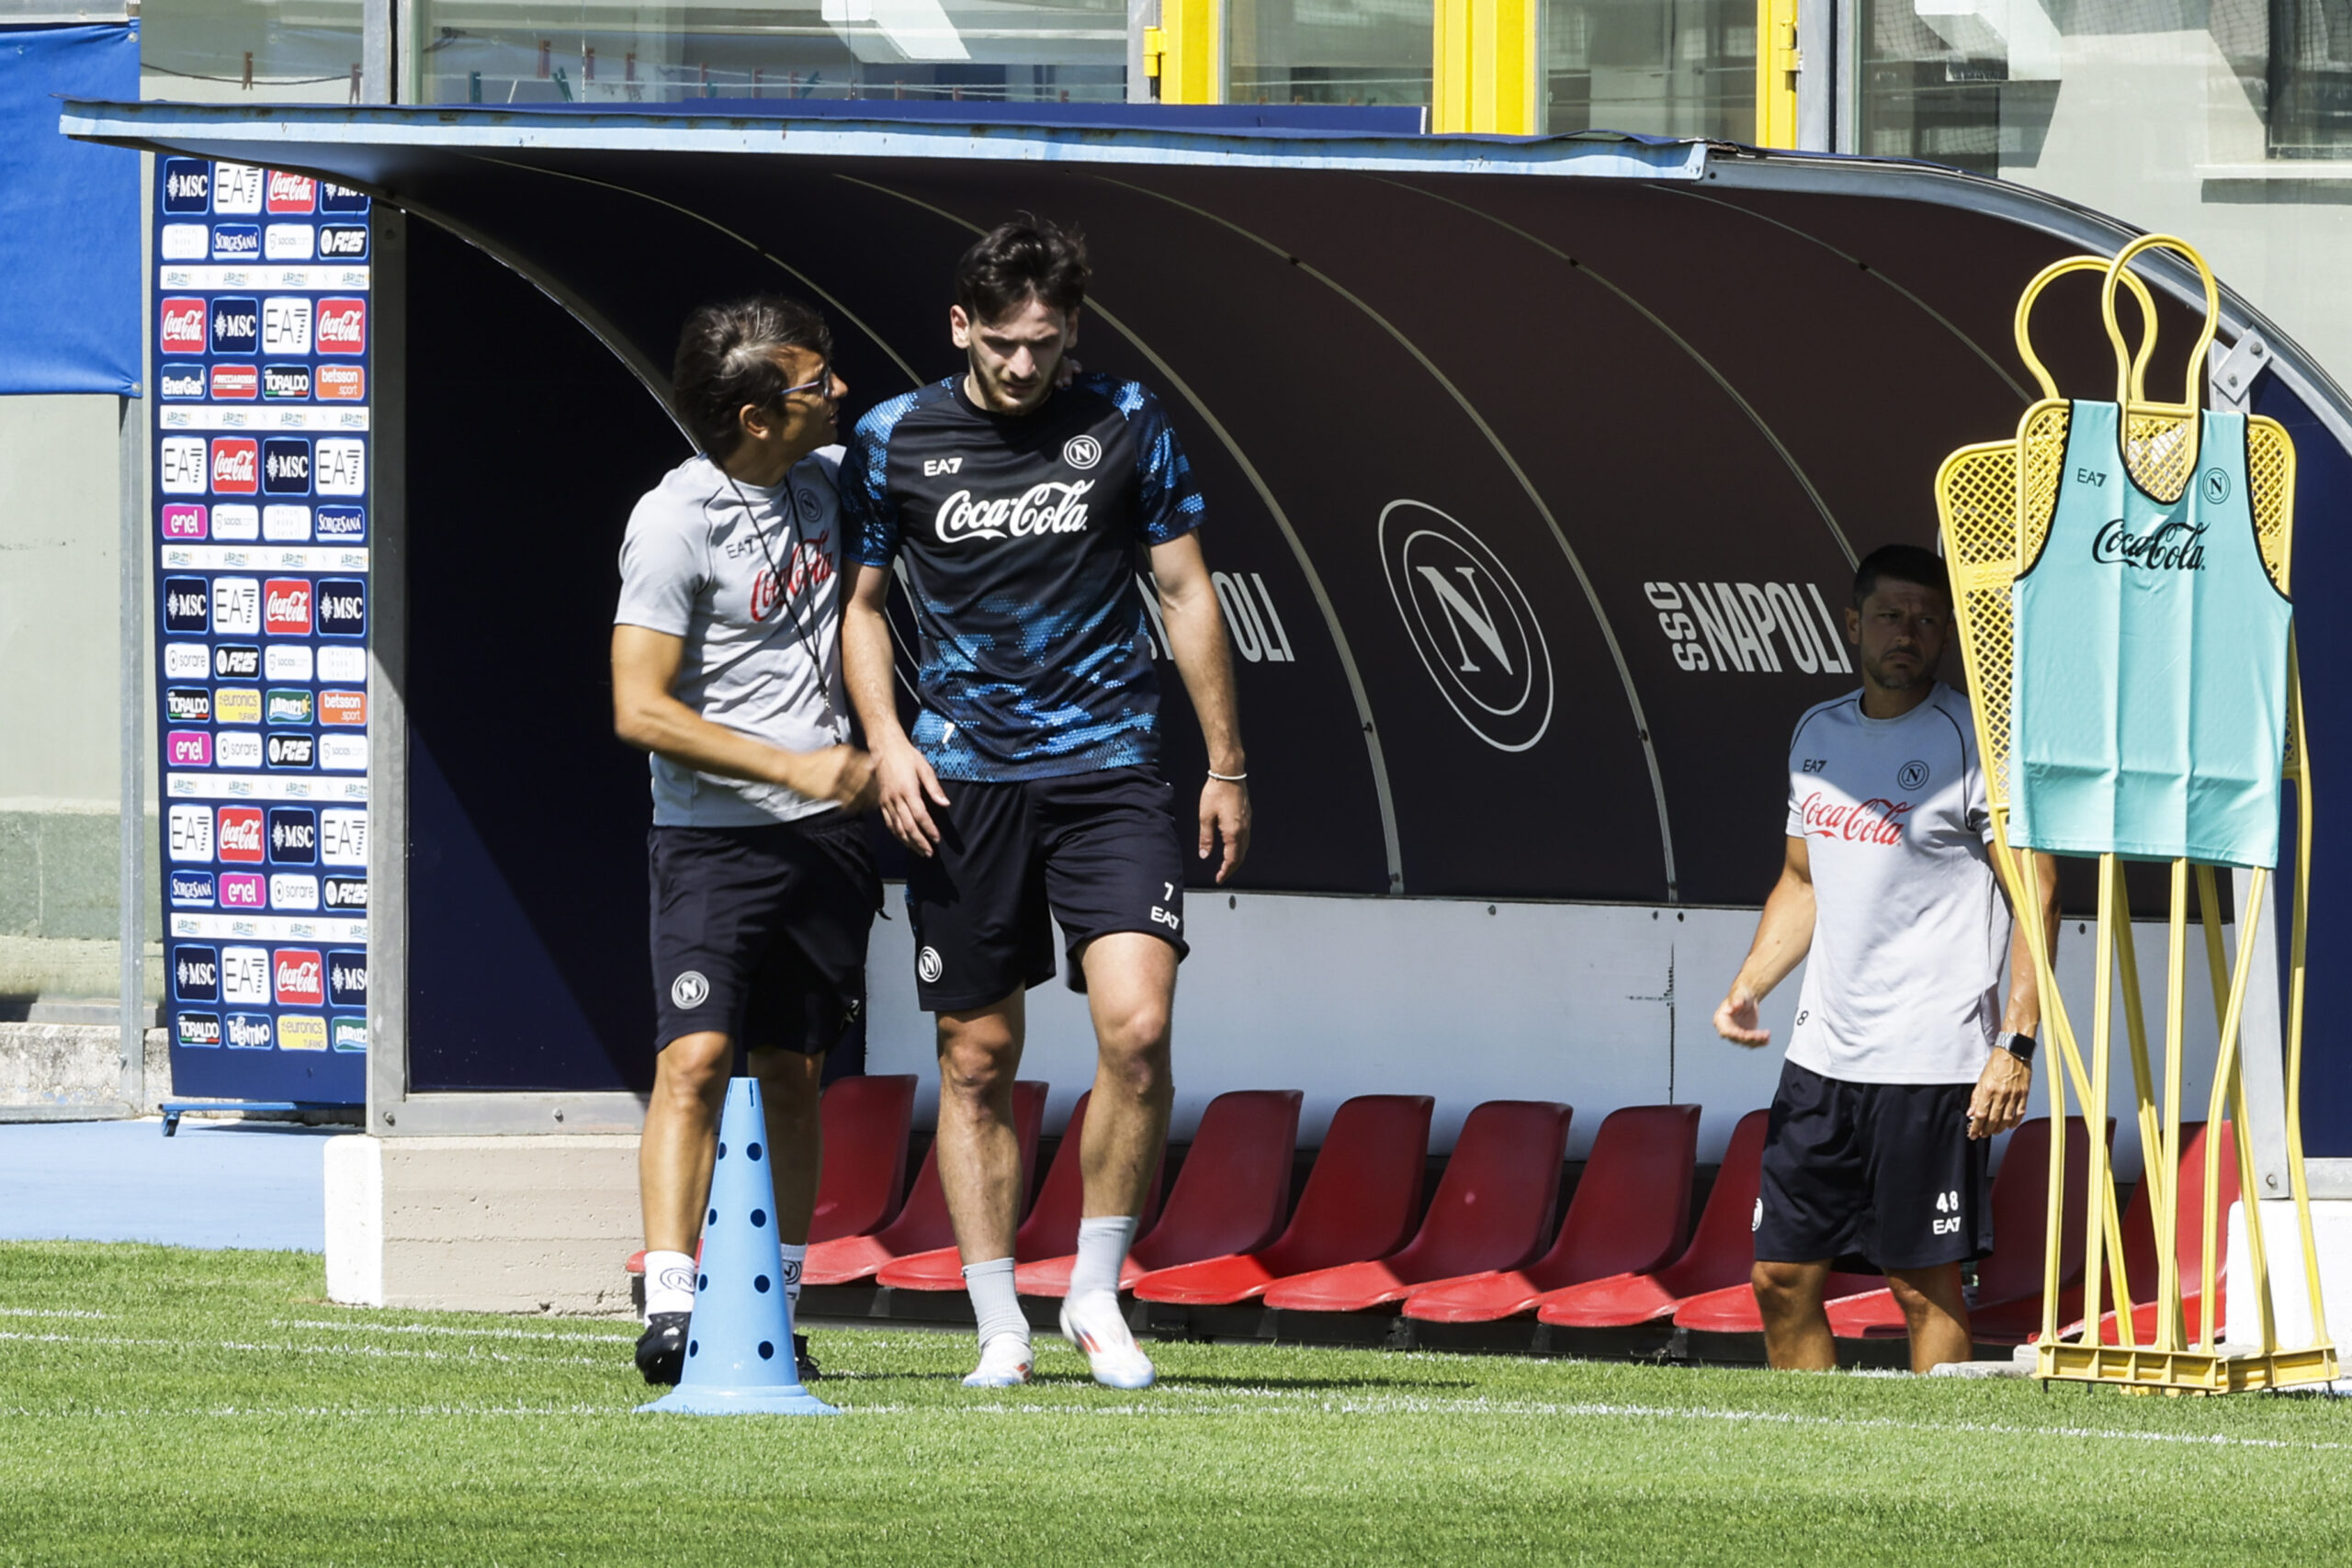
(197, 1407)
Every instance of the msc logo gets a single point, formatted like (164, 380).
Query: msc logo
(286, 466)
(1081, 451)
(343, 607)
(188, 604)
(187, 185)
(1470, 622)
(348, 979)
(340, 199)
(293, 835)
(237, 324)
(195, 974)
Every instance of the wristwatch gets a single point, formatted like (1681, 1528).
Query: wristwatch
(2021, 1046)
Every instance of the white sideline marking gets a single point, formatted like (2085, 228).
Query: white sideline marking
(377, 1350)
(470, 1333)
(47, 1312)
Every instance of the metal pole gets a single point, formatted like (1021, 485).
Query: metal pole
(387, 970)
(131, 462)
(379, 50)
(1141, 14)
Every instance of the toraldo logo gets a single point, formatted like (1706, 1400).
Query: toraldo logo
(200, 1029)
(283, 382)
(343, 326)
(1470, 622)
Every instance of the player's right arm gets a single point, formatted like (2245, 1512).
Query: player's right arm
(1782, 938)
(905, 785)
(648, 715)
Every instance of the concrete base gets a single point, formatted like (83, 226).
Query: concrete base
(542, 1223)
(53, 1070)
(2290, 1301)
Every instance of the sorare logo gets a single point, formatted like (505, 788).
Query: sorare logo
(191, 889)
(236, 466)
(292, 891)
(293, 835)
(184, 521)
(237, 241)
(237, 324)
(342, 325)
(239, 834)
(200, 1030)
(348, 979)
(286, 466)
(300, 978)
(188, 604)
(182, 329)
(285, 324)
(285, 383)
(180, 383)
(234, 383)
(238, 750)
(292, 193)
(285, 606)
(195, 974)
(343, 606)
(187, 185)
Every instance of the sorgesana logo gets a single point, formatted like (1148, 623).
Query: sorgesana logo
(237, 241)
(341, 525)
(192, 890)
(1471, 622)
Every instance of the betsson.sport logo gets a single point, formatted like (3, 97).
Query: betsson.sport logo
(1054, 507)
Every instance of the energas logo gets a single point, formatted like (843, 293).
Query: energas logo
(1470, 622)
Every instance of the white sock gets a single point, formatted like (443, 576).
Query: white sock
(794, 1257)
(669, 1282)
(994, 1301)
(1102, 1252)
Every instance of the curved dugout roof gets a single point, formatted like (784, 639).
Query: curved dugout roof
(1537, 468)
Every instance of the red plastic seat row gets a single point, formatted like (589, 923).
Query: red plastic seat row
(2139, 1223)
(923, 1224)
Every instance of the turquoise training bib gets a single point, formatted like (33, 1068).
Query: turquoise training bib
(2149, 696)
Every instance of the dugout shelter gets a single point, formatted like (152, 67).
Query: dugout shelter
(1537, 470)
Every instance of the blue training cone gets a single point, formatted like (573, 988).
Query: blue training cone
(739, 1347)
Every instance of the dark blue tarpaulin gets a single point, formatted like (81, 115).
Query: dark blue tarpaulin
(69, 216)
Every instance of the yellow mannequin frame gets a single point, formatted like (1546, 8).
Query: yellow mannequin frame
(1996, 501)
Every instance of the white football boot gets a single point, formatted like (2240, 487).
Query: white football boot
(1005, 1361)
(1094, 1324)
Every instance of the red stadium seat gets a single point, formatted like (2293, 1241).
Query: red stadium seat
(865, 1177)
(1493, 1206)
(1050, 1231)
(924, 1223)
(1360, 1200)
(2140, 1246)
(1229, 1195)
(1733, 1309)
(1719, 1254)
(2008, 1281)
(1629, 1213)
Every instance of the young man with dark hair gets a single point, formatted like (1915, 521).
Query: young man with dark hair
(727, 669)
(1030, 790)
(1902, 1064)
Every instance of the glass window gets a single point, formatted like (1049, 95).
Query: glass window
(273, 50)
(1021, 50)
(1922, 97)
(1330, 52)
(1658, 67)
(2308, 61)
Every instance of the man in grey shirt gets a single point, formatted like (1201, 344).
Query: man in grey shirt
(727, 669)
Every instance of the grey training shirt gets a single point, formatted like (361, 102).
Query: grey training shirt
(756, 597)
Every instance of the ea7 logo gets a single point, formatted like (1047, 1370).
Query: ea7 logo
(1948, 1203)
(1731, 625)
(934, 466)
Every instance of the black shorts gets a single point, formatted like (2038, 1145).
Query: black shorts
(1097, 851)
(759, 933)
(1884, 1172)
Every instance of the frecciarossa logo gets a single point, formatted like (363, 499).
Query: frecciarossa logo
(1054, 507)
(1863, 822)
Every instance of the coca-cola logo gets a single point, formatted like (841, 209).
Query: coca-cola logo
(2178, 546)
(291, 193)
(343, 326)
(236, 466)
(285, 606)
(811, 565)
(1859, 822)
(300, 976)
(240, 833)
(1054, 507)
(184, 329)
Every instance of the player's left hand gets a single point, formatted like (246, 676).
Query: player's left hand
(1998, 1103)
(1225, 813)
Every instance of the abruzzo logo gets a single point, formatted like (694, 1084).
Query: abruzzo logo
(689, 990)
(1054, 507)
(1470, 622)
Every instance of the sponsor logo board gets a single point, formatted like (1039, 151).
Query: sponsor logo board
(301, 1032)
(236, 465)
(249, 1031)
(187, 185)
(236, 188)
(236, 522)
(188, 705)
(198, 1030)
(333, 197)
(239, 834)
(179, 464)
(300, 977)
(286, 660)
(236, 606)
(286, 607)
(184, 328)
(243, 890)
(236, 323)
(191, 889)
(342, 242)
(285, 324)
(236, 704)
(183, 243)
(195, 974)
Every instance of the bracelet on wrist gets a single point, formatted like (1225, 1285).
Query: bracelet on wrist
(1230, 778)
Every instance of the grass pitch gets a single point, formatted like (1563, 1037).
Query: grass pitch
(159, 1406)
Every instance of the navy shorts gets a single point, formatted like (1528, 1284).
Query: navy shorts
(1880, 1172)
(1098, 853)
(759, 933)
